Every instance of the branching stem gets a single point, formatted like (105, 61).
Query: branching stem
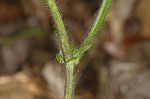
(69, 55)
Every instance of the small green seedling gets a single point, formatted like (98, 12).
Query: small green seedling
(69, 56)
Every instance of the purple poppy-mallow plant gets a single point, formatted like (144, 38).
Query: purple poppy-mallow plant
(68, 55)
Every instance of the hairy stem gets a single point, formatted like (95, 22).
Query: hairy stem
(94, 30)
(69, 86)
(62, 34)
(69, 60)
(65, 47)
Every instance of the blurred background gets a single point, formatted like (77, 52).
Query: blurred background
(116, 67)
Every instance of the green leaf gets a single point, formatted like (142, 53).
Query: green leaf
(60, 58)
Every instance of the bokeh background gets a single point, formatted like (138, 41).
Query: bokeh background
(116, 67)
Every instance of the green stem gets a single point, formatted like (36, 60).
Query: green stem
(69, 86)
(65, 47)
(62, 34)
(71, 61)
(94, 30)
